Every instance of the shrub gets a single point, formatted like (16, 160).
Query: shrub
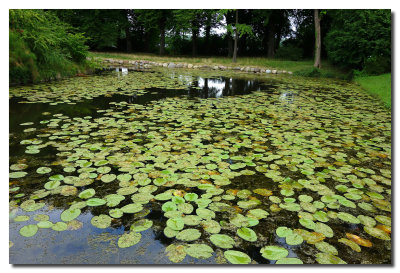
(289, 52)
(42, 47)
(360, 39)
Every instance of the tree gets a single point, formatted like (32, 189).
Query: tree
(237, 29)
(317, 20)
(236, 37)
(155, 19)
(360, 39)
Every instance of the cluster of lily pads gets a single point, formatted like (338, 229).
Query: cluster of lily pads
(222, 171)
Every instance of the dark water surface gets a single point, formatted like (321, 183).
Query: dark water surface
(199, 115)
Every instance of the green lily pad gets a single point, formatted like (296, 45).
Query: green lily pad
(347, 217)
(28, 230)
(113, 200)
(129, 239)
(324, 229)
(237, 257)
(247, 234)
(351, 244)
(51, 185)
(199, 251)
(175, 253)
(45, 224)
(188, 235)
(59, 226)
(170, 233)
(141, 225)
(205, 213)
(93, 202)
(41, 217)
(384, 220)
(43, 170)
(101, 221)
(191, 196)
(283, 231)
(18, 174)
(294, 239)
(21, 218)
(327, 258)
(274, 252)
(107, 178)
(377, 233)
(31, 205)
(307, 223)
(169, 206)
(132, 208)
(70, 214)
(257, 214)
(56, 177)
(86, 194)
(211, 226)
(326, 247)
(175, 223)
(116, 213)
(222, 241)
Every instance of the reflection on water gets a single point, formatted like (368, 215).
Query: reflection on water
(220, 87)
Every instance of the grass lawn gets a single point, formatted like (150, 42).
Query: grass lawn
(378, 86)
(241, 61)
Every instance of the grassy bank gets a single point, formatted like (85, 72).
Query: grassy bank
(294, 66)
(378, 86)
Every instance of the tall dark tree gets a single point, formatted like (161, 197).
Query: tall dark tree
(317, 20)
(155, 20)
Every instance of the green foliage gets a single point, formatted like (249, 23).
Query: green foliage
(22, 62)
(289, 52)
(42, 47)
(360, 39)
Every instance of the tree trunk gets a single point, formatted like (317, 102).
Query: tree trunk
(147, 40)
(271, 42)
(317, 20)
(194, 42)
(162, 34)
(128, 40)
(236, 37)
(228, 35)
(207, 39)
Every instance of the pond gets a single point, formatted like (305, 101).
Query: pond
(198, 167)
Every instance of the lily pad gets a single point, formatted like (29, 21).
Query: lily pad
(175, 253)
(247, 234)
(141, 225)
(101, 221)
(199, 251)
(94, 202)
(175, 223)
(294, 239)
(188, 235)
(43, 170)
(129, 239)
(70, 214)
(28, 230)
(222, 241)
(274, 252)
(237, 257)
(132, 208)
(86, 194)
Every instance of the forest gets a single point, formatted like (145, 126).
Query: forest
(47, 43)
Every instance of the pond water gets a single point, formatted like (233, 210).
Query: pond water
(198, 167)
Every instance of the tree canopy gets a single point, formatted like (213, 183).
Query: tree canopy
(352, 39)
